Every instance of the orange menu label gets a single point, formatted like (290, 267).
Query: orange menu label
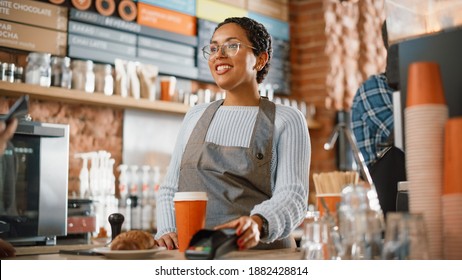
(166, 19)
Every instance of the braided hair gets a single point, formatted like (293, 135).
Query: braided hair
(258, 37)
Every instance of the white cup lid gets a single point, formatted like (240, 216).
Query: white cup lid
(185, 196)
(403, 186)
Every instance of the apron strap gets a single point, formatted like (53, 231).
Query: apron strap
(200, 131)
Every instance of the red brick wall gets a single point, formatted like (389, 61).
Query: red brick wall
(312, 63)
(310, 66)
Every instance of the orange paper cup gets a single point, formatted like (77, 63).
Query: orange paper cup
(453, 156)
(332, 201)
(190, 214)
(424, 84)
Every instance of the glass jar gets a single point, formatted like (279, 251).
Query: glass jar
(38, 70)
(18, 74)
(61, 73)
(104, 81)
(83, 77)
(3, 66)
(9, 73)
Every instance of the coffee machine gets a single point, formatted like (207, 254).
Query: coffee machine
(34, 184)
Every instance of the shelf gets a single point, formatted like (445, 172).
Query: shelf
(81, 97)
(99, 99)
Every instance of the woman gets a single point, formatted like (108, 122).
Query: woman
(250, 156)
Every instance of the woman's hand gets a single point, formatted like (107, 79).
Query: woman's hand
(169, 240)
(248, 230)
(6, 132)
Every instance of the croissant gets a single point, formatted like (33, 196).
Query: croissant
(133, 240)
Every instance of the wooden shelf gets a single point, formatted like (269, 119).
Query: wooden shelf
(99, 99)
(81, 97)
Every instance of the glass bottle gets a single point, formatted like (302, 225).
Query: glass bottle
(61, 73)
(38, 70)
(83, 77)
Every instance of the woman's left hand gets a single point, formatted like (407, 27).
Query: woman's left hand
(248, 230)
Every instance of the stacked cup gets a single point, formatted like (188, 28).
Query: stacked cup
(425, 116)
(452, 190)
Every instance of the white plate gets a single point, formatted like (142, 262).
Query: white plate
(127, 254)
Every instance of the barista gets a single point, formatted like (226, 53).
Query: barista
(6, 132)
(250, 155)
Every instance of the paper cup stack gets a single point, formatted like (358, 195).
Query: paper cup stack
(452, 190)
(426, 114)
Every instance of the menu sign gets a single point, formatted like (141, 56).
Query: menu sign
(34, 13)
(29, 38)
(166, 20)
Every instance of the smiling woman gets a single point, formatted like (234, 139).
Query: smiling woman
(250, 155)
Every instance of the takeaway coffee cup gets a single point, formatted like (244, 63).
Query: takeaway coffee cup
(190, 214)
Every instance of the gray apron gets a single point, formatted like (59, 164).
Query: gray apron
(235, 178)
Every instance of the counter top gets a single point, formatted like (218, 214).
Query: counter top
(52, 253)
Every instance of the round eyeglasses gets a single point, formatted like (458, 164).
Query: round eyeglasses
(229, 49)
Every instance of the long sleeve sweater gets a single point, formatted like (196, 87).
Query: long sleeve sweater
(233, 126)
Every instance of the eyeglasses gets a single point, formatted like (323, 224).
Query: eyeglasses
(229, 49)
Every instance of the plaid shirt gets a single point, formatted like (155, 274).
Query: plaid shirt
(372, 115)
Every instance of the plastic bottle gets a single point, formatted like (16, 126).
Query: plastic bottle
(94, 184)
(84, 176)
(145, 205)
(96, 190)
(134, 199)
(153, 197)
(112, 203)
(123, 192)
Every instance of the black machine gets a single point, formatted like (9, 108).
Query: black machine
(211, 244)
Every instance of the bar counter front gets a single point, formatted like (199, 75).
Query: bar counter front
(53, 253)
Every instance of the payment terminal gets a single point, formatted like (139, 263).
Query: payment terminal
(211, 244)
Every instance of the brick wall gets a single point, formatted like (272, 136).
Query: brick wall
(310, 66)
(318, 54)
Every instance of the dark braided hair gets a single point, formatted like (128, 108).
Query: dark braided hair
(258, 37)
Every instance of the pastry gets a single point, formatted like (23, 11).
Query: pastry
(133, 240)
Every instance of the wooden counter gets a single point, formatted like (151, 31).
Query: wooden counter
(52, 253)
